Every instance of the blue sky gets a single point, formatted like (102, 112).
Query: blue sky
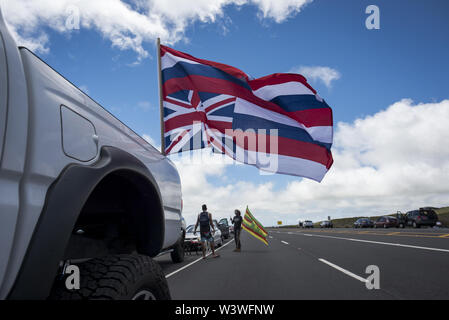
(406, 59)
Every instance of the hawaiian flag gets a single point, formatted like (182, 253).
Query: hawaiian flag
(277, 123)
(254, 227)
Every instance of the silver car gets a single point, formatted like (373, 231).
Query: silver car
(193, 241)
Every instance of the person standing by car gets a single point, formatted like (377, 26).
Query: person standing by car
(237, 221)
(205, 221)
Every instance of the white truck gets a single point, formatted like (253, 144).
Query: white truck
(78, 187)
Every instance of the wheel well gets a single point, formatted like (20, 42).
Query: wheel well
(123, 214)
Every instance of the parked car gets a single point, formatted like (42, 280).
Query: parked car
(386, 222)
(421, 217)
(224, 227)
(326, 224)
(218, 236)
(192, 241)
(307, 224)
(363, 223)
(402, 219)
(78, 187)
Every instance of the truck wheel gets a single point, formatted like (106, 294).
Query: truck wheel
(117, 277)
(177, 255)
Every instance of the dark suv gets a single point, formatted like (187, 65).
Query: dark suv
(421, 217)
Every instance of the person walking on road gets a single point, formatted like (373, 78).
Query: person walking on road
(237, 221)
(205, 221)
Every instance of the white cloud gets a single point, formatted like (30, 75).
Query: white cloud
(396, 159)
(324, 74)
(151, 141)
(144, 105)
(127, 26)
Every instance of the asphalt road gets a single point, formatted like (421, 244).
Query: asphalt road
(319, 264)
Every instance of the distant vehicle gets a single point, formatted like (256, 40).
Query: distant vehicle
(421, 217)
(300, 224)
(224, 228)
(386, 222)
(363, 223)
(307, 224)
(326, 224)
(402, 219)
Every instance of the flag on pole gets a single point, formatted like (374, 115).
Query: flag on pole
(277, 123)
(254, 227)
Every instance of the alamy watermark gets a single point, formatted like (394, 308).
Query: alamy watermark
(72, 282)
(72, 21)
(373, 280)
(372, 22)
(259, 147)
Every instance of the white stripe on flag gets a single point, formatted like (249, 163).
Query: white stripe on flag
(275, 163)
(283, 89)
(168, 60)
(320, 133)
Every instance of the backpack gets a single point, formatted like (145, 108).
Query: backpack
(204, 221)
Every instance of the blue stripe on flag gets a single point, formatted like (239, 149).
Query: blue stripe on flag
(299, 102)
(204, 96)
(183, 69)
(181, 95)
(245, 122)
(225, 112)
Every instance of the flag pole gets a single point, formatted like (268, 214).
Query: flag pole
(161, 105)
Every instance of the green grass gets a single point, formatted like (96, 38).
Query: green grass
(443, 215)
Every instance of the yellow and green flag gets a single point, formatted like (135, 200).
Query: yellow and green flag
(254, 227)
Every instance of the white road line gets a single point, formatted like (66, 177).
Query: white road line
(378, 242)
(284, 242)
(195, 261)
(349, 273)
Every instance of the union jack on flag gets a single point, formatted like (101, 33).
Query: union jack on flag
(190, 116)
(278, 117)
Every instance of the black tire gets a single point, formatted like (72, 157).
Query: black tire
(177, 255)
(116, 277)
(415, 225)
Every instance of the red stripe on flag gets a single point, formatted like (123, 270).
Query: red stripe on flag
(286, 147)
(239, 74)
(175, 142)
(257, 224)
(221, 126)
(313, 117)
(178, 103)
(219, 104)
(184, 120)
(255, 232)
(278, 78)
(219, 86)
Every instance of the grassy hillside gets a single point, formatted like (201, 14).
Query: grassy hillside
(443, 216)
